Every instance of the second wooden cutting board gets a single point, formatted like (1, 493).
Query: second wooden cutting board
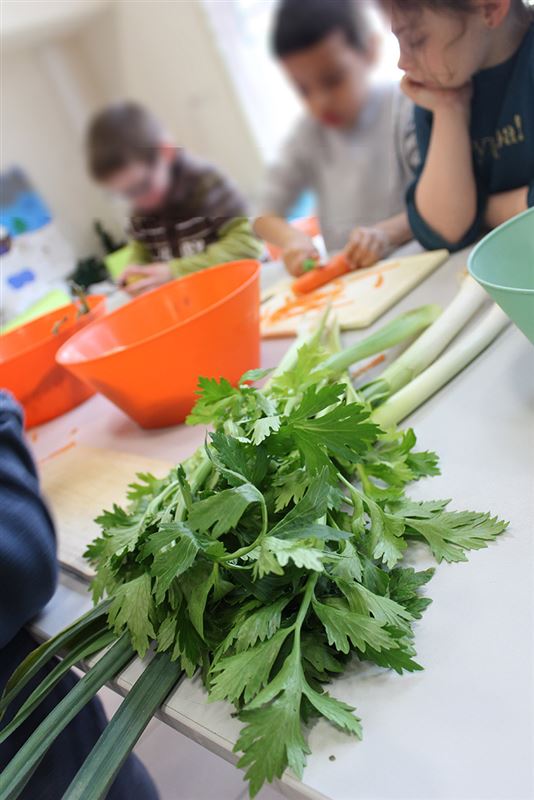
(78, 485)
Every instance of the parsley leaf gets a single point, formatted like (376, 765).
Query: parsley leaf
(343, 625)
(222, 511)
(246, 672)
(450, 533)
(131, 609)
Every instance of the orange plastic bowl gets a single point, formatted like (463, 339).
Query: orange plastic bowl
(146, 357)
(28, 365)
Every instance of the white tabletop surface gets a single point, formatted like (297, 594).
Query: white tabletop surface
(464, 728)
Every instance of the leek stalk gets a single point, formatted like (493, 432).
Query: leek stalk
(429, 345)
(397, 407)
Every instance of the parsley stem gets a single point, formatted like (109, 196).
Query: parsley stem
(243, 551)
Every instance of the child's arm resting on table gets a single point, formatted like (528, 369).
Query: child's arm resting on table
(28, 567)
(236, 241)
(366, 246)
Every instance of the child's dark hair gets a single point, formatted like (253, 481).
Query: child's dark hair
(459, 6)
(300, 24)
(119, 135)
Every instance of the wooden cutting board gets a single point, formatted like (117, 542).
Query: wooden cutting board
(79, 484)
(357, 299)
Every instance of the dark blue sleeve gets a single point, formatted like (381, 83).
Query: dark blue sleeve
(424, 234)
(28, 567)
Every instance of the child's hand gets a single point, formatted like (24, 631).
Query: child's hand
(366, 246)
(137, 279)
(436, 98)
(295, 254)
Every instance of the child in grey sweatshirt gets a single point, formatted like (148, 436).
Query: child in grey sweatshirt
(355, 149)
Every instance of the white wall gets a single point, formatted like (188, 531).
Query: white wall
(37, 134)
(160, 52)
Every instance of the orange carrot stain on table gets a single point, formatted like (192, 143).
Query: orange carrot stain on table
(58, 452)
(33, 436)
(374, 362)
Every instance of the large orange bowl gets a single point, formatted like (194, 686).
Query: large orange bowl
(147, 356)
(28, 365)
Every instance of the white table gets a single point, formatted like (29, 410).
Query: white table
(463, 729)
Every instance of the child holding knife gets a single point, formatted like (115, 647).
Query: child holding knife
(355, 148)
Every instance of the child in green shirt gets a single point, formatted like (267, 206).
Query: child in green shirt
(184, 214)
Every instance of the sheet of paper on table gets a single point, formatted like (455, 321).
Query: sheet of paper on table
(79, 483)
(357, 299)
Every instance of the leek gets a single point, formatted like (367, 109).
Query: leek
(397, 407)
(403, 327)
(97, 773)
(79, 631)
(88, 646)
(19, 770)
(429, 345)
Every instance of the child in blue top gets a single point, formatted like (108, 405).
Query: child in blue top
(469, 68)
(28, 577)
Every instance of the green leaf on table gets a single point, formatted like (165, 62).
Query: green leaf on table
(316, 650)
(242, 458)
(274, 554)
(222, 511)
(423, 464)
(341, 429)
(394, 461)
(203, 578)
(188, 646)
(343, 626)
(214, 397)
(404, 586)
(148, 487)
(310, 355)
(121, 532)
(131, 609)
(425, 509)
(254, 375)
(398, 659)
(450, 533)
(383, 609)
(263, 428)
(308, 510)
(174, 547)
(289, 487)
(272, 738)
(255, 626)
(387, 533)
(336, 711)
(245, 673)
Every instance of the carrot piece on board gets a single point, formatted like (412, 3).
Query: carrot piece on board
(336, 267)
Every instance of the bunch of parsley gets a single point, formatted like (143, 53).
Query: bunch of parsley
(273, 557)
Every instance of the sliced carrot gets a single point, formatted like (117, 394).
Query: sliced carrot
(335, 268)
(379, 280)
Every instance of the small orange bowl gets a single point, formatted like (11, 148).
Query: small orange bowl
(28, 365)
(147, 356)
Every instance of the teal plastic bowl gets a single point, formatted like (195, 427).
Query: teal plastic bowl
(503, 263)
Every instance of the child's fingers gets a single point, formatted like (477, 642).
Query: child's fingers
(133, 271)
(360, 247)
(139, 286)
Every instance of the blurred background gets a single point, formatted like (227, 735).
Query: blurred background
(203, 66)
